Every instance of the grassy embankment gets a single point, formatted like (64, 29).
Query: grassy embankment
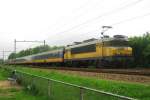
(13, 93)
(134, 90)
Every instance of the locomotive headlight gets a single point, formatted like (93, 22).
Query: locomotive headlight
(121, 50)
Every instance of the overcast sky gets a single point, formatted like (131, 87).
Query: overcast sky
(61, 22)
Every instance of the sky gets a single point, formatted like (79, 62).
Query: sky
(61, 22)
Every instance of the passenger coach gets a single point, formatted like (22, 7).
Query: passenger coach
(41, 58)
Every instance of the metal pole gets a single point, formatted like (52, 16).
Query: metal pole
(102, 33)
(15, 48)
(3, 55)
(44, 42)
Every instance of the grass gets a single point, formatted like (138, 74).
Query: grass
(135, 90)
(14, 93)
(3, 74)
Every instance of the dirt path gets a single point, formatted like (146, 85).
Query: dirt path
(7, 84)
(6, 87)
(109, 76)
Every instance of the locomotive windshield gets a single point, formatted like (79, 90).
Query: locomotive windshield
(118, 43)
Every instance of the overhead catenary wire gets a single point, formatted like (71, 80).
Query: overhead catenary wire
(77, 16)
(130, 19)
(108, 13)
(117, 23)
(79, 35)
(82, 7)
(104, 14)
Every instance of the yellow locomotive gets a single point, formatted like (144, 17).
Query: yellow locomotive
(101, 52)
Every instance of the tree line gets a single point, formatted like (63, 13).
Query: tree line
(141, 50)
(32, 51)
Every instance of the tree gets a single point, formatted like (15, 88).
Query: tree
(141, 49)
(1, 61)
(146, 54)
(12, 56)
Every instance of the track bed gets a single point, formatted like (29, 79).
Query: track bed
(144, 79)
(144, 72)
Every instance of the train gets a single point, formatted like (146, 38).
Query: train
(105, 52)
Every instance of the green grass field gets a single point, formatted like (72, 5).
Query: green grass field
(3, 75)
(14, 93)
(135, 90)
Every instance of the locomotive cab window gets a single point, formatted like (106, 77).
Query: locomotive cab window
(119, 43)
(84, 49)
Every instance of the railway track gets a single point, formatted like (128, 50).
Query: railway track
(144, 72)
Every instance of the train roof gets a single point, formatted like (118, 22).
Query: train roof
(47, 52)
(94, 41)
